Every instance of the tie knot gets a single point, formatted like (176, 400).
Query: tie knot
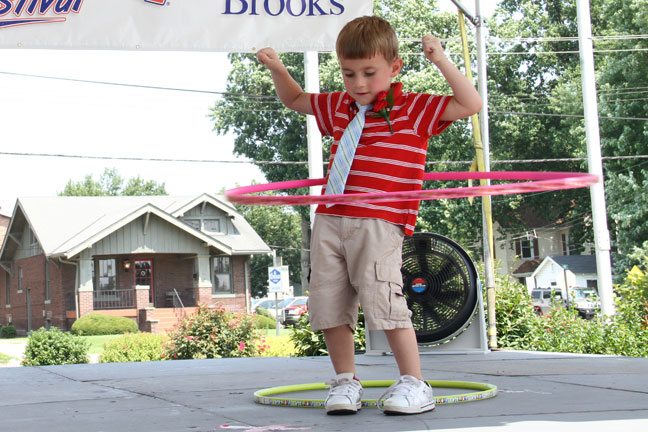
(363, 108)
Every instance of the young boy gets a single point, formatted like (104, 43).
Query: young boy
(356, 248)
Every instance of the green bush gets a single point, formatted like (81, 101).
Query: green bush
(95, 324)
(54, 347)
(8, 331)
(264, 312)
(134, 347)
(213, 333)
(264, 322)
(309, 343)
(561, 330)
(514, 314)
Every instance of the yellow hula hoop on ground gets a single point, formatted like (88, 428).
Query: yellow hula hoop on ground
(268, 396)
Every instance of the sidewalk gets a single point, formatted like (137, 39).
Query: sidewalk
(537, 391)
(13, 349)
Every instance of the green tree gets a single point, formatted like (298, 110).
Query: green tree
(539, 76)
(623, 82)
(112, 184)
(534, 88)
(280, 228)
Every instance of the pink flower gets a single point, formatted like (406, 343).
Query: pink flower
(241, 346)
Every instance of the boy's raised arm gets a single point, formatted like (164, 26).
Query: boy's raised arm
(288, 91)
(465, 99)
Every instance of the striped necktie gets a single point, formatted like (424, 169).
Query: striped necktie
(345, 152)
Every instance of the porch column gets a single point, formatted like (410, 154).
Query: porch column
(141, 296)
(86, 288)
(202, 283)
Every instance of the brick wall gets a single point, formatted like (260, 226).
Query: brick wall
(33, 284)
(3, 297)
(169, 272)
(237, 302)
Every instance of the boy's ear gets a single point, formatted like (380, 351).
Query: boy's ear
(397, 65)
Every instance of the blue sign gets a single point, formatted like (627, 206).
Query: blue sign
(275, 276)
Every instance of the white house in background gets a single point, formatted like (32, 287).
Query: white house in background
(564, 271)
(520, 254)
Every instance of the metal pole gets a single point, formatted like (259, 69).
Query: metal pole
(315, 159)
(276, 260)
(482, 84)
(594, 162)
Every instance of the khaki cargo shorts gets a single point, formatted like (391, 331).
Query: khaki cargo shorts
(356, 261)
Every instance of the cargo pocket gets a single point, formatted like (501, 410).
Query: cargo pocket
(389, 302)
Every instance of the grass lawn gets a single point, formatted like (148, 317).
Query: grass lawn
(4, 358)
(273, 332)
(97, 342)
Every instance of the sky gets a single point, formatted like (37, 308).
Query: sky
(39, 115)
(63, 117)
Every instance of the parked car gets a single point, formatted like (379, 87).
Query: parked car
(585, 300)
(293, 312)
(274, 307)
(267, 304)
(546, 299)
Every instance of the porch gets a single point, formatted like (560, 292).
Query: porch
(154, 317)
(128, 298)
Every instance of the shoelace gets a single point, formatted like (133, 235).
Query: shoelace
(342, 387)
(403, 387)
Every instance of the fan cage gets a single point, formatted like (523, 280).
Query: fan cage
(441, 286)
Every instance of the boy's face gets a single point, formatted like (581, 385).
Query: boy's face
(365, 78)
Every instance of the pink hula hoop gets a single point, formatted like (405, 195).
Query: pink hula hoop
(536, 182)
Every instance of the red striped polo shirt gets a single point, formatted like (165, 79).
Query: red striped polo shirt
(383, 162)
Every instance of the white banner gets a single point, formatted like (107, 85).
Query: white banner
(177, 25)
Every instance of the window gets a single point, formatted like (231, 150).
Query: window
(8, 288)
(222, 282)
(565, 244)
(48, 286)
(193, 223)
(106, 275)
(144, 275)
(32, 238)
(525, 248)
(20, 280)
(144, 272)
(212, 225)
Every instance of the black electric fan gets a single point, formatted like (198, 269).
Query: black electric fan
(440, 283)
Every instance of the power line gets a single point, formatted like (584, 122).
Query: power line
(565, 115)
(139, 159)
(539, 39)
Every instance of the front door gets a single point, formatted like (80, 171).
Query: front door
(144, 276)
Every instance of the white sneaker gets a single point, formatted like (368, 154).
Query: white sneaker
(345, 396)
(408, 395)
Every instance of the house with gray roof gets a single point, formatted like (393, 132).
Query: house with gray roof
(137, 256)
(565, 271)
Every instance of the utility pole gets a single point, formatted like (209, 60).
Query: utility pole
(594, 162)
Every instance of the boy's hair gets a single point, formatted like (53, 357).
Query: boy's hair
(366, 36)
